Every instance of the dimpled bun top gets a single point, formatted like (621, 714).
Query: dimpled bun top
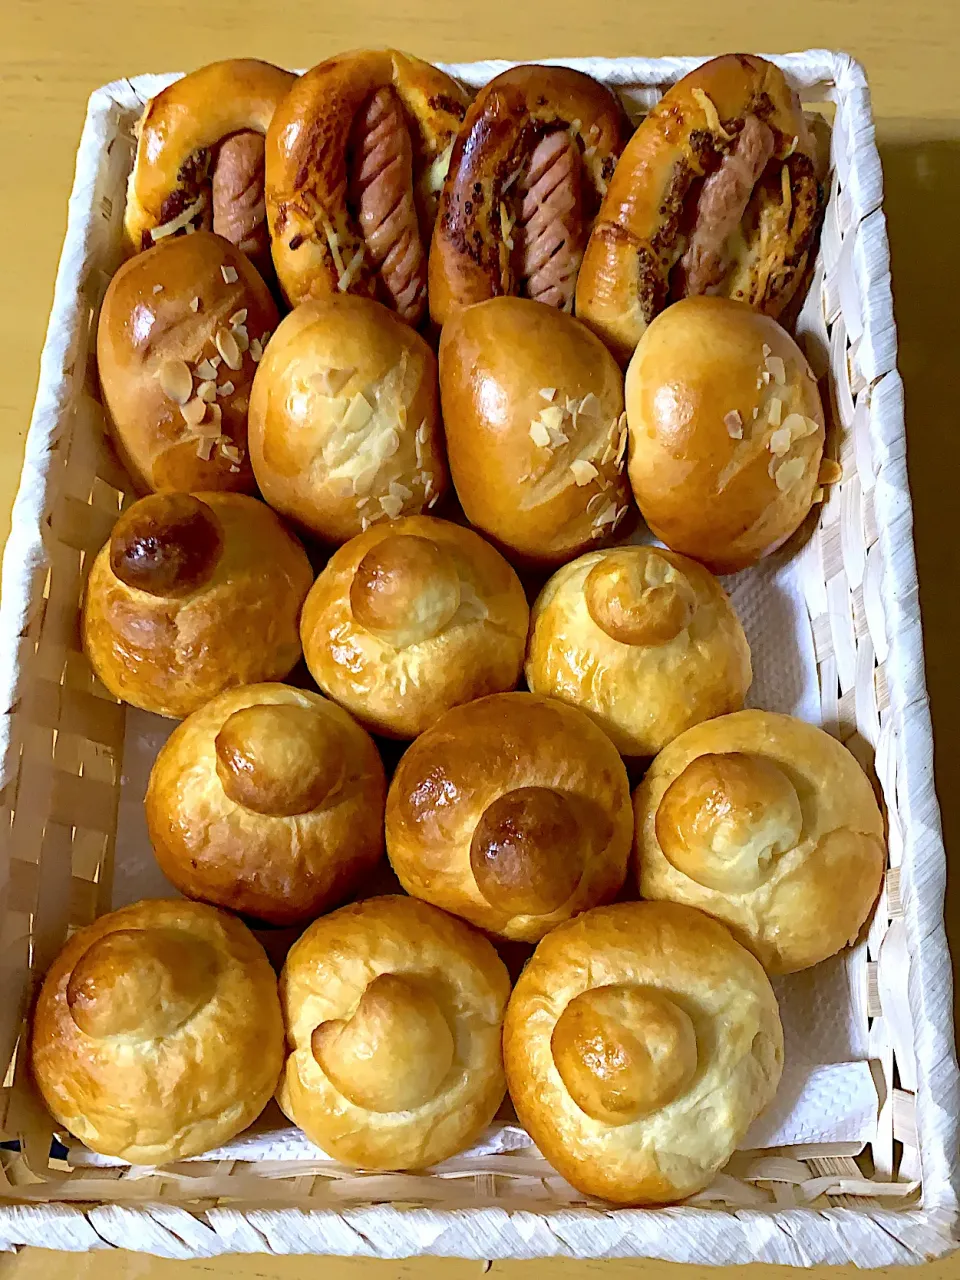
(393, 1012)
(642, 639)
(157, 1033)
(640, 1044)
(513, 812)
(770, 825)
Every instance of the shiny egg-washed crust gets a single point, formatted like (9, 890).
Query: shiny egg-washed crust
(794, 864)
(512, 811)
(157, 1033)
(453, 624)
(471, 256)
(314, 232)
(509, 367)
(146, 323)
(269, 801)
(171, 653)
(393, 1012)
(671, 1088)
(644, 640)
(641, 231)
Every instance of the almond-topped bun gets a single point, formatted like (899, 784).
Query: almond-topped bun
(191, 594)
(344, 422)
(181, 330)
(643, 640)
(512, 811)
(716, 193)
(536, 433)
(267, 800)
(393, 1012)
(529, 168)
(199, 162)
(157, 1033)
(640, 1043)
(726, 432)
(356, 157)
(769, 824)
(411, 618)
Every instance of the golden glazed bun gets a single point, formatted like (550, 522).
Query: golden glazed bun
(411, 618)
(513, 812)
(181, 330)
(269, 801)
(533, 410)
(191, 594)
(726, 432)
(770, 825)
(157, 1034)
(640, 1044)
(344, 422)
(643, 640)
(393, 1012)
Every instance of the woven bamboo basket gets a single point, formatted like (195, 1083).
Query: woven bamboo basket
(62, 741)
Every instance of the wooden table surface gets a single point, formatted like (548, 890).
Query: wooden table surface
(54, 52)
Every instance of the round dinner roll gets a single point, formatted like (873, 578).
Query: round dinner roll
(191, 594)
(533, 410)
(267, 800)
(769, 824)
(411, 618)
(640, 1044)
(181, 329)
(726, 432)
(393, 1013)
(344, 423)
(643, 640)
(157, 1033)
(512, 811)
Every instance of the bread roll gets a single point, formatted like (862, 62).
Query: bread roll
(267, 800)
(157, 1033)
(726, 432)
(393, 1012)
(770, 825)
(533, 409)
(181, 329)
(411, 618)
(191, 594)
(513, 812)
(356, 157)
(643, 640)
(344, 423)
(640, 1044)
(716, 192)
(528, 169)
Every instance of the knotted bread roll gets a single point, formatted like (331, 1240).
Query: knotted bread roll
(513, 812)
(640, 1044)
(393, 1013)
(643, 640)
(770, 825)
(157, 1033)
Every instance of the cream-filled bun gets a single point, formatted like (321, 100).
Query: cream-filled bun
(512, 811)
(157, 1033)
(191, 594)
(344, 421)
(393, 1013)
(411, 618)
(267, 800)
(640, 1044)
(726, 432)
(643, 640)
(769, 824)
(533, 412)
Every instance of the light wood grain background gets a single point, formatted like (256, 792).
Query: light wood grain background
(54, 52)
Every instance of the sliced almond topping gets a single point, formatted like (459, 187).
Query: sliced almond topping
(256, 351)
(216, 361)
(590, 405)
(796, 425)
(234, 470)
(583, 471)
(358, 413)
(227, 346)
(206, 370)
(207, 391)
(205, 447)
(422, 432)
(433, 502)
(365, 523)
(547, 393)
(332, 381)
(391, 443)
(818, 495)
(765, 376)
(158, 288)
(772, 466)
(391, 505)
(241, 337)
(756, 412)
(788, 473)
(229, 275)
(557, 437)
(230, 452)
(780, 441)
(239, 317)
(830, 472)
(176, 380)
(597, 500)
(606, 516)
(766, 350)
(400, 491)
(619, 516)
(194, 304)
(622, 445)
(364, 479)
(734, 424)
(552, 416)
(776, 367)
(193, 412)
(427, 484)
(607, 455)
(216, 416)
(539, 434)
(226, 388)
(774, 409)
